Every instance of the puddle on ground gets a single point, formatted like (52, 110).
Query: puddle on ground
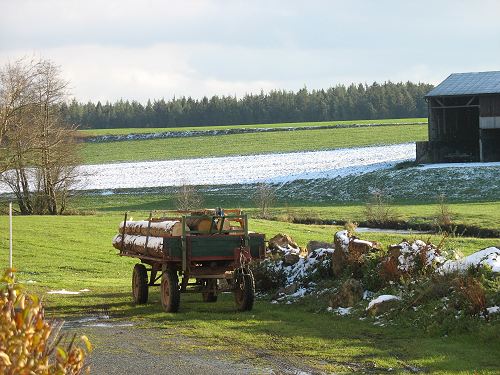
(101, 321)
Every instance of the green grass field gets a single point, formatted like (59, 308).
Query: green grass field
(480, 214)
(75, 252)
(248, 144)
(124, 131)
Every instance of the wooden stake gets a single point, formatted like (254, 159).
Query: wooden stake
(10, 235)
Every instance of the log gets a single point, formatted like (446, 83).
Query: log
(137, 244)
(154, 229)
(204, 225)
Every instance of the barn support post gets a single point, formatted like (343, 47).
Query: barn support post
(481, 156)
(429, 122)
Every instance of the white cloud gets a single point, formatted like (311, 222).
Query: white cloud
(151, 49)
(110, 73)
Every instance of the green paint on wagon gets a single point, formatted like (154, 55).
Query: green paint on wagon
(212, 246)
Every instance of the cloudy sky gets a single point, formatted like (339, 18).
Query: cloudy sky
(159, 48)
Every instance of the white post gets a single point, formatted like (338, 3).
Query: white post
(10, 235)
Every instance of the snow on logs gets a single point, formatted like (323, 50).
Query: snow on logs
(145, 237)
(154, 228)
(137, 244)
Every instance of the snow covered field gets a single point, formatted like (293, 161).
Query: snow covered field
(330, 169)
(244, 169)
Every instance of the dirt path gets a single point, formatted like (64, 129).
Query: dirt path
(121, 348)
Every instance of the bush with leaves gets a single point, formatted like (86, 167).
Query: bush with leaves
(29, 344)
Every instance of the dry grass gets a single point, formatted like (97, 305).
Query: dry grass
(472, 294)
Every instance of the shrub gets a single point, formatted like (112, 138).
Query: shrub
(28, 343)
(371, 272)
(378, 211)
(443, 216)
(351, 227)
(268, 275)
(471, 295)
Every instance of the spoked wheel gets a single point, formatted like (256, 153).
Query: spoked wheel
(209, 290)
(140, 284)
(170, 293)
(244, 289)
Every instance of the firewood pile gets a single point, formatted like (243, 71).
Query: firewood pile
(155, 229)
(138, 245)
(145, 237)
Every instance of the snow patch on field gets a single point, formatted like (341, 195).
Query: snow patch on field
(340, 310)
(317, 176)
(493, 309)
(272, 168)
(68, 292)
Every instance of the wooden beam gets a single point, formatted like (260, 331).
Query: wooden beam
(457, 106)
(470, 101)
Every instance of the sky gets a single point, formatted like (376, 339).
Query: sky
(130, 49)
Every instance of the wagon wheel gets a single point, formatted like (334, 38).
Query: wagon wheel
(244, 290)
(170, 293)
(140, 284)
(209, 294)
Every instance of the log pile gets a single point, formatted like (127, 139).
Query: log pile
(137, 244)
(154, 228)
(145, 237)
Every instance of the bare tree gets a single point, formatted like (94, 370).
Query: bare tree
(16, 92)
(264, 198)
(187, 198)
(38, 152)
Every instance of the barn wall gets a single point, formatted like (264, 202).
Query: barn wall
(490, 106)
(490, 145)
(462, 129)
(453, 131)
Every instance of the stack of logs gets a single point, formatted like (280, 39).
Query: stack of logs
(146, 237)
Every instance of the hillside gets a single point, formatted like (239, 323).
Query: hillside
(250, 144)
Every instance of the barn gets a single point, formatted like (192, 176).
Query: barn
(464, 120)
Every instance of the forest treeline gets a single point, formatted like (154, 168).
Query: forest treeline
(354, 102)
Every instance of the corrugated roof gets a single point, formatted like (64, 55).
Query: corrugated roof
(468, 84)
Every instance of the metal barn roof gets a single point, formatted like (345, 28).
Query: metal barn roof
(468, 84)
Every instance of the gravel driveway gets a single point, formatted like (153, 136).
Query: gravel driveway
(120, 348)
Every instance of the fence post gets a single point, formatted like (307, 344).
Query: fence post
(10, 235)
